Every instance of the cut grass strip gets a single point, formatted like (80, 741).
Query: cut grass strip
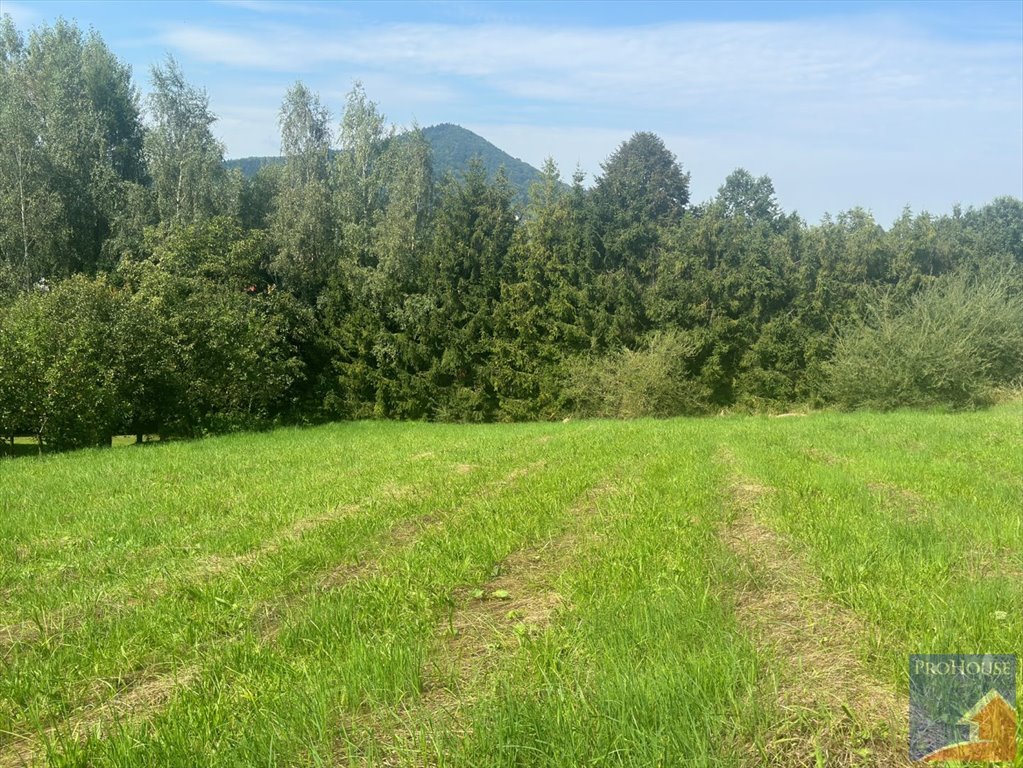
(829, 709)
(483, 624)
(905, 566)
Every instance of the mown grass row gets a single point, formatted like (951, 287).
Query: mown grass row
(277, 599)
(914, 521)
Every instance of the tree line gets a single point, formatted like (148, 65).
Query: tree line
(146, 289)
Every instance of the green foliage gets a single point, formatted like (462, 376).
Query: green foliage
(252, 166)
(22, 367)
(642, 184)
(544, 314)
(345, 282)
(59, 377)
(301, 221)
(237, 333)
(475, 223)
(642, 191)
(748, 198)
(192, 339)
(81, 377)
(948, 347)
(627, 384)
(71, 158)
(452, 148)
(185, 159)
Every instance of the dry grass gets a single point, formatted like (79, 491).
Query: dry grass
(989, 562)
(519, 600)
(22, 632)
(832, 711)
(818, 456)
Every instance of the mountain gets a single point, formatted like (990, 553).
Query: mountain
(453, 147)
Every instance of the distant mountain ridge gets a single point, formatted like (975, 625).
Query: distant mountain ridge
(452, 147)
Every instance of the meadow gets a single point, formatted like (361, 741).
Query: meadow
(730, 591)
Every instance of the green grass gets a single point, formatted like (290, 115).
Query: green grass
(301, 597)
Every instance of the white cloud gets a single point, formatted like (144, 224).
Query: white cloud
(22, 15)
(647, 66)
(838, 112)
(404, 92)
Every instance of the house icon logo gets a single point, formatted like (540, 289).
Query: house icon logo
(963, 708)
(992, 723)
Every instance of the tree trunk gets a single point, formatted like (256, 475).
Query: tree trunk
(24, 225)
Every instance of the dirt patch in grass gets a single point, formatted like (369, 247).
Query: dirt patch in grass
(517, 474)
(15, 634)
(831, 711)
(484, 624)
(746, 493)
(517, 602)
(988, 562)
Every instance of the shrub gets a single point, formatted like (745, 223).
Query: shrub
(652, 381)
(950, 346)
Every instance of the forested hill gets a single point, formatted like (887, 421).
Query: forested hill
(452, 146)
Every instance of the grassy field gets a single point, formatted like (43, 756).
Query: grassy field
(733, 591)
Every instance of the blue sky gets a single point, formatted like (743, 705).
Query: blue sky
(875, 104)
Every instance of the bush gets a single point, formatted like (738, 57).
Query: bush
(653, 381)
(57, 378)
(950, 346)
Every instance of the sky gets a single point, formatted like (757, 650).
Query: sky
(879, 105)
